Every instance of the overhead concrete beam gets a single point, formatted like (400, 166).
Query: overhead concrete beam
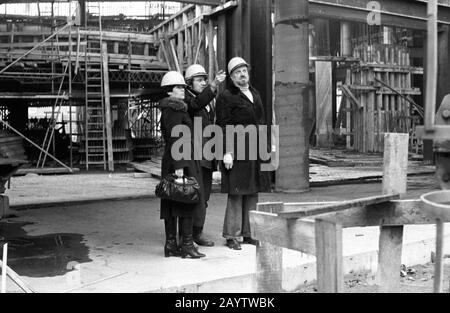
(400, 13)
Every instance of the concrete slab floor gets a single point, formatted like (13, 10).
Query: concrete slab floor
(117, 246)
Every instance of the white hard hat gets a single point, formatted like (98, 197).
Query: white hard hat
(172, 78)
(235, 63)
(194, 70)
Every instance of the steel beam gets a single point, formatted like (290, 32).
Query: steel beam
(401, 13)
(200, 2)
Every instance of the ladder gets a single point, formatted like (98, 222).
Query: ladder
(95, 130)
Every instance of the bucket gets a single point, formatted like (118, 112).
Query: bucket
(437, 204)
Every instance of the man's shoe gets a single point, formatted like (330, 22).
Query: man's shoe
(233, 244)
(250, 241)
(202, 241)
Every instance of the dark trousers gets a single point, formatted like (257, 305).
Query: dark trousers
(200, 215)
(237, 220)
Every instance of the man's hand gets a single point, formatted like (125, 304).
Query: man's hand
(220, 77)
(179, 172)
(228, 161)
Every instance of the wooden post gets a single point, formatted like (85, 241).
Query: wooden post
(330, 277)
(269, 259)
(5, 262)
(211, 52)
(346, 44)
(180, 51)
(395, 164)
(324, 104)
(108, 115)
(4, 206)
(439, 262)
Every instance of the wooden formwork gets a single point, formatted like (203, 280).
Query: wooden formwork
(316, 229)
(380, 92)
(187, 37)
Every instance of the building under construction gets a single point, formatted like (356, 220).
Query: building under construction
(81, 86)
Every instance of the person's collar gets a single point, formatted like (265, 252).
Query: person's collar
(173, 103)
(235, 89)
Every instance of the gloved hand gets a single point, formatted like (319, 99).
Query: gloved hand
(228, 160)
(180, 173)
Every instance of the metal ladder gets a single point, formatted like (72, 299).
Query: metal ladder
(95, 130)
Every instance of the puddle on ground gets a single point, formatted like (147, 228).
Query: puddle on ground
(41, 256)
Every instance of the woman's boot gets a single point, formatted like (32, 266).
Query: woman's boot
(187, 246)
(171, 247)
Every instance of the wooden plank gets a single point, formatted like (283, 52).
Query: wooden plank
(330, 276)
(344, 205)
(174, 56)
(45, 170)
(4, 206)
(166, 56)
(291, 234)
(391, 237)
(439, 262)
(108, 116)
(370, 122)
(211, 52)
(269, 258)
(180, 51)
(16, 278)
(324, 112)
(392, 213)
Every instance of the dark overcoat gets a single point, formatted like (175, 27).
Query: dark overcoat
(199, 105)
(234, 108)
(173, 113)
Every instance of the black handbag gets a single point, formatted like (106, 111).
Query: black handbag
(186, 192)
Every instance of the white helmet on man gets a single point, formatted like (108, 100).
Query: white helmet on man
(235, 63)
(195, 70)
(173, 78)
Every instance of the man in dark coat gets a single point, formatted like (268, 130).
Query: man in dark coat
(200, 96)
(240, 104)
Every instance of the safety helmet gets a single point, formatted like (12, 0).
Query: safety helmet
(172, 78)
(194, 70)
(235, 63)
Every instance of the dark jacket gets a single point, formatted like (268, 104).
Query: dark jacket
(234, 108)
(199, 105)
(173, 113)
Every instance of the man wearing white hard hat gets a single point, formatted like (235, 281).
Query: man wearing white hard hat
(199, 97)
(239, 104)
(174, 112)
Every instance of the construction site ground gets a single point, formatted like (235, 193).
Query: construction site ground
(101, 232)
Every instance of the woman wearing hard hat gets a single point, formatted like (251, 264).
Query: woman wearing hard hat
(199, 97)
(173, 113)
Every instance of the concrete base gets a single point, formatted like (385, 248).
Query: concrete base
(300, 269)
(123, 240)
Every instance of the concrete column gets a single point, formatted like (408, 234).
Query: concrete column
(291, 93)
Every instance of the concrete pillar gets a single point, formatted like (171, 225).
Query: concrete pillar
(82, 13)
(291, 93)
(346, 43)
(443, 87)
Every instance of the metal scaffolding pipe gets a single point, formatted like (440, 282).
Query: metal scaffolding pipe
(34, 48)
